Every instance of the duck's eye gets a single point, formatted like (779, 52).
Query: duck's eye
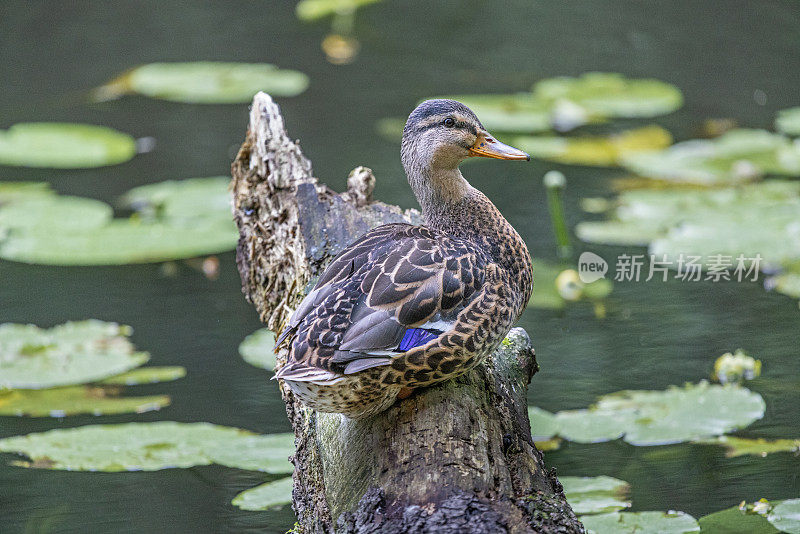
(449, 122)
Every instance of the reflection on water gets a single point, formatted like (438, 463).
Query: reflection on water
(655, 334)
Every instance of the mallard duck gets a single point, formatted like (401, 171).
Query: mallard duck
(404, 306)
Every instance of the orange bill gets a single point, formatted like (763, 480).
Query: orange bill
(487, 146)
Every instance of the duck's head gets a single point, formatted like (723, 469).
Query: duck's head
(440, 134)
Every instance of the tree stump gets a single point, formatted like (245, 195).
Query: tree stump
(457, 457)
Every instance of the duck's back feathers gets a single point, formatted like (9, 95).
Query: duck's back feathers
(397, 287)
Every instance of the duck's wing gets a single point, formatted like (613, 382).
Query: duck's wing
(397, 287)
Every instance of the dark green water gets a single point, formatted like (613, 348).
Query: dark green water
(655, 334)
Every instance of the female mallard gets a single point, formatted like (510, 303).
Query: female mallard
(408, 306)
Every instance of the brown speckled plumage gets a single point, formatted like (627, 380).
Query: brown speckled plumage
(466, 274)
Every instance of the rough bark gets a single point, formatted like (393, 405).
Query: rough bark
(457, 457)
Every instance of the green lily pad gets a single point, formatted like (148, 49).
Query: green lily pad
(604, 151)
(639, 522)
(266, 496)
(662, 417)
(543, 424)
(174, 220)
(146, 447)
(595, 495)
(257, 349)
(267, 453)
(785, 516)
(205, 82)
(309, 10)
(510, 113)
(755, 447)
(591, 426)
(788, 121)
(749, 220)
(12, 191)
(612, 95)
(68, 354)
(64, 145)
(46, 212)
(734, 157)
(74, 400)
(552, 286)
(181, 199)
(734, 520)
(146, 375)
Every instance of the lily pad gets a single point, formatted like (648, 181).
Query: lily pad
(554, 286)
(598, 151)
(205, 82)
(788, 121)
(266, 496)
(511, 113)
(258, 349)
(734, 157)
(543, 424)
(612, 95)
(595, 495)
(64, 145)
(182, 199)
(147, 447)
(734, 520)
(661, 417)
(639, 522)
(266, 453)
(72, 353)
(785, 516)
(74, 400)
(309, 10)
(755, 447)
(46, 212)
(10, 191)
(174, 220)
(146, 375)
(750, 220)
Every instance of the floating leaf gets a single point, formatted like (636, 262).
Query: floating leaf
(592, 425)
(750, 220)
(309, 10)
(734, 520)
(600, 151)
(265, 496)
(640, 522)
(72, 353)
(510, 113)
(756, 447)
(552, 288)
(594, 495)
(258, 349)
(785, 516)
(788, 121)
(543, 423)
(64, 145)
(662, 417)
(46, 212)
(736, 156)
(612, 95)
(182, 199)
(736, 368)
(205, 82)
(147, 447)
(269, 453)
(176, 220)
(12, 191)
(146, 375)
(74, 400)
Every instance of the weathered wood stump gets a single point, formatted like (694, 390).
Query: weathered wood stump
(457, 457)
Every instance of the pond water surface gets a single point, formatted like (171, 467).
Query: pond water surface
(655, 334)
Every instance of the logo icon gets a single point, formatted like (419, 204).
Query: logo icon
(591, 267)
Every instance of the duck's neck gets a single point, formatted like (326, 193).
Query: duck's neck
(450, 204)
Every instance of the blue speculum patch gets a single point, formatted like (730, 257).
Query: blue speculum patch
(414, 337)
